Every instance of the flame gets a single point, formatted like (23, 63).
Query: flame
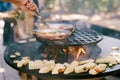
(64, 50)
(73, 52)
(80, 51)
(76, 51)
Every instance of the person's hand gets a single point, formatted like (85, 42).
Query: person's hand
(27, 5)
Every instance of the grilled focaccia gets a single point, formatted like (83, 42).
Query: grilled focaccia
(99, 68)
(84, 68)
(70, 68)
(58, 68)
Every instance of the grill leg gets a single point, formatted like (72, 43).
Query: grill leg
(25, 76)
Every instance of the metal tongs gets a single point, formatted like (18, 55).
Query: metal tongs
(38, 15)
(42, 20)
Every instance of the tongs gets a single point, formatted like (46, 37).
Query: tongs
(42, 20)
(38, 15)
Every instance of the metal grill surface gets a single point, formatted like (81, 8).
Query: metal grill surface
(79, 37)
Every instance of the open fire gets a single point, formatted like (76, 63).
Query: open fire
(66, 54)
(80, 52)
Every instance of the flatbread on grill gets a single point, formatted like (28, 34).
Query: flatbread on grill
(58, 68)
(108, 60)
(86, 61)
(70, 68)
(99, 68)
(84, 67)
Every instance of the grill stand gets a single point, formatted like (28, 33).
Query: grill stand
(101, 78)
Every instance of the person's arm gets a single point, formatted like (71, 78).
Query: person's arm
(16, 2)
(24, 4)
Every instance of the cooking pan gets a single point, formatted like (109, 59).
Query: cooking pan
(51, 34)
(55, 31)
(64, 26)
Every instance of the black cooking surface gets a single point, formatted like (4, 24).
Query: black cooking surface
(31, 50)
(79, 37)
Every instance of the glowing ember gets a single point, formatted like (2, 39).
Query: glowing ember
(64, 50)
